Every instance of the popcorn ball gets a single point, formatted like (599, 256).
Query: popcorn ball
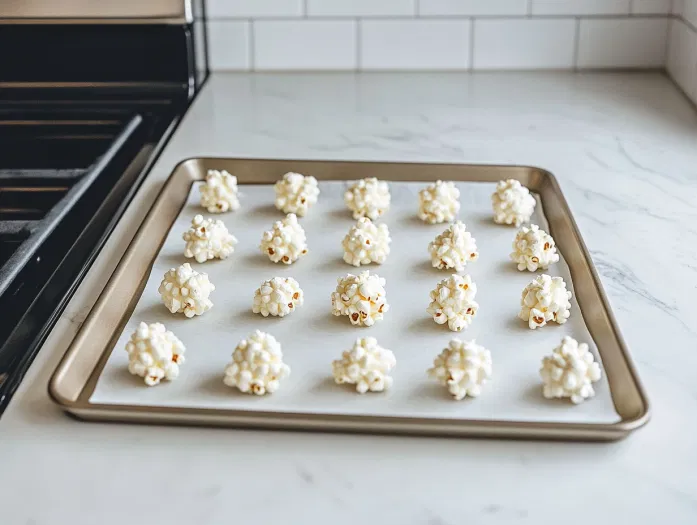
(366, 242)
(545, 299)
(286, 241)
(533, 248)
(367, 365)
(463, 367)
(295, 193)
(512, 203)
(453, 248)
(257, 365)
(570, 371)
(439, 203)
(154, 353)
(453, 302)
(219, 193)
(368, 198)
(277, 297)
(361, 297)
(186, 291)
(208, 239)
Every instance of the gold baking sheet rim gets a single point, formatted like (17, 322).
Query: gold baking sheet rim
(75, 378)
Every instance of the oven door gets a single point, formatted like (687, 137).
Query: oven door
(53, 223)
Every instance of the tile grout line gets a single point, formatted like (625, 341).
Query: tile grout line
(252, 50)
(359, 46)
(305, 10)
(669, 38)
(529, 9)
(577, 43)
(471, 53)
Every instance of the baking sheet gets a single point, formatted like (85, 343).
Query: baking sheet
(311, 337)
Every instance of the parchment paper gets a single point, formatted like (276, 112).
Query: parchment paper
(311, 337)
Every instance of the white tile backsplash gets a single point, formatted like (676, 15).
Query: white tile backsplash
(622, 42)
(228, 44)
(304, 44)
(689, 12)
(415, 44)
(361, 7)
(524, 43)
(678, 6)
(580, 7)
(473, 7)
(448, 34)
(682, 57)
(254, 8)
(651, 7)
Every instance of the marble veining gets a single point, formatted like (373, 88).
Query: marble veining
(623, 149)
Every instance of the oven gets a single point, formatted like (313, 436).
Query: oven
(89, 94)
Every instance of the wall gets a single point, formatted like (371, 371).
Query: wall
(440, 34)
(682, 47)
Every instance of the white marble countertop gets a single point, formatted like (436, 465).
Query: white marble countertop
(624, 149)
